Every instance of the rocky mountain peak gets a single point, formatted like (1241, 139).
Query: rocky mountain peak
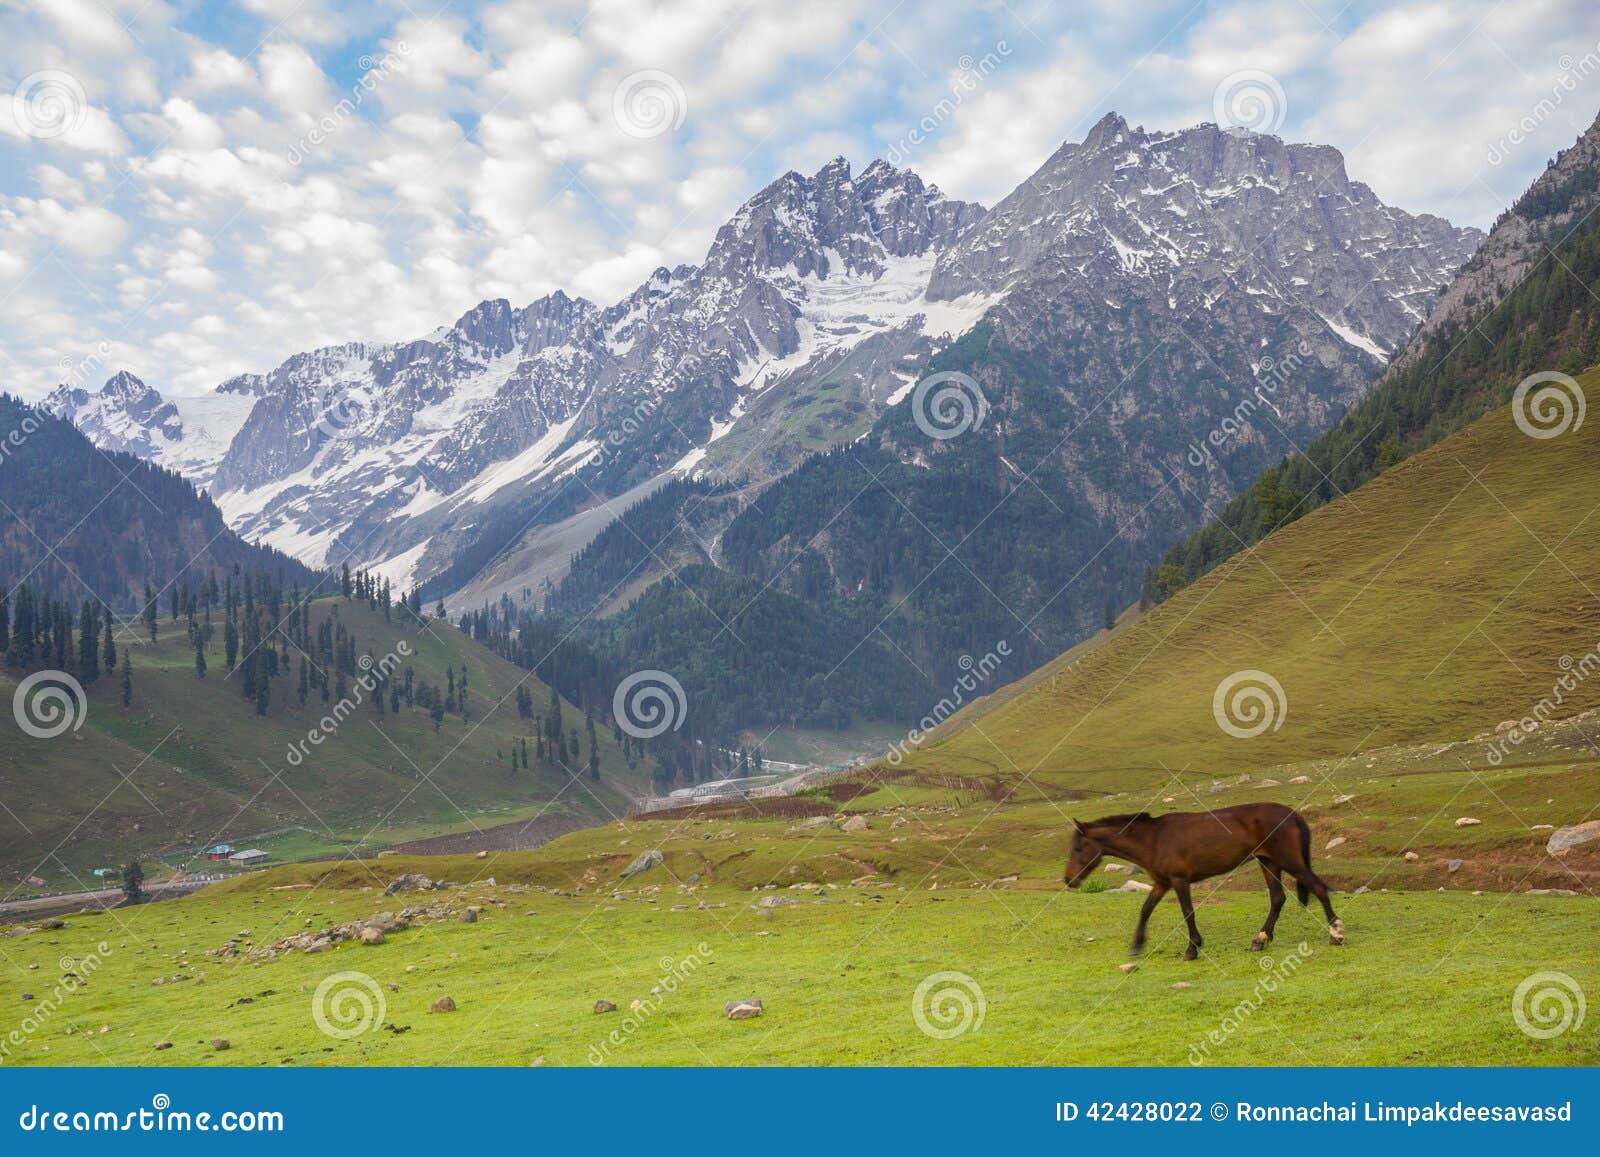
(1558, 201)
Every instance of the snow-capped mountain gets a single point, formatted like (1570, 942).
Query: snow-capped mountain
(186, 434)
(814, 309)
(1196, 215)
(391, 452)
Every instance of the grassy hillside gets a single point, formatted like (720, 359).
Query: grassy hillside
(1444, 597)
(189, 763)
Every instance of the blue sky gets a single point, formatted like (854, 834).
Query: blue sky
(193, 190)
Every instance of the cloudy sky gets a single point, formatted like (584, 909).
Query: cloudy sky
(191, 190)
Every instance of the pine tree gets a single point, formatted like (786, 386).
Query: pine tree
(127, 679)
(89, 642)
(133, 883)
(108, 657)
(199, 656)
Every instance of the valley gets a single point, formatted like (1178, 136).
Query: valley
(913, 913)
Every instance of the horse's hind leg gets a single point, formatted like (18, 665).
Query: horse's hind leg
(1158, 889)
(1275, 893)
(1320, 890)
(1187, 904)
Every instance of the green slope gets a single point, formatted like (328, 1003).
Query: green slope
(1444, 597)
(189, 763)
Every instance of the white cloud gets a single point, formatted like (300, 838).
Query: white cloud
(369, 171)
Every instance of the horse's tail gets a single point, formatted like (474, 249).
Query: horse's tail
(1300, 889)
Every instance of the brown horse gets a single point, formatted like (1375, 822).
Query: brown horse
(1181, 848)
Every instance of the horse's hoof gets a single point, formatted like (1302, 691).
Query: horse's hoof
(1191, 955)
(1336, 933)
(1259, 942)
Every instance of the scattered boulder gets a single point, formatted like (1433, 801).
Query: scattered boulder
(1553, 892)
(1454, 866)
(605, 1006)
(1183, 984)
(855, 824)
(742, 1009)
(220, 1044)
(468, 916)
(443, 1004)
(1566, 838)
(1343, 798)
(1412, 857)
(1130, 966)
(1468, 821)
(27, 996)
(1132, 886)
(1301, 779)
(162, 1044)
(411, 882)
(1118, 868)
(371, 935)
(811, 822)
(1333, 843)
(643, 862)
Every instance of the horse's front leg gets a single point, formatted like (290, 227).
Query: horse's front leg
(1158, 889)
(1276, 897)
(1186, 902)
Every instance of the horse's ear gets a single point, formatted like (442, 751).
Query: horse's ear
(1078, 824)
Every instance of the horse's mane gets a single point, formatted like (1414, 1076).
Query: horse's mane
(1121, 821)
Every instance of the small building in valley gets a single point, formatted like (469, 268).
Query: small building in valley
(220, 852)
(249, 858)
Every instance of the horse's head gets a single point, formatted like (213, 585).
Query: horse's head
(1085, 858)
